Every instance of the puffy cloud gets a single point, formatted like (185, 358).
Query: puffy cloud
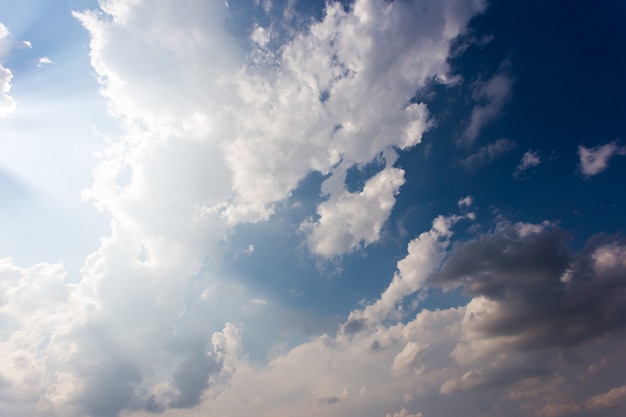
(318, 110)
(595, 160)
(488, 153)
(529, 160)
(261, 36)
(351, 220)
(490, 97)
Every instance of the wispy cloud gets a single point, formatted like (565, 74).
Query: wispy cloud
(490, 97)
(488, 153)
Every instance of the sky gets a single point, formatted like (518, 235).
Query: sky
(366, 208)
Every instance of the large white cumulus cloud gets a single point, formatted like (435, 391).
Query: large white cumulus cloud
(216, 134)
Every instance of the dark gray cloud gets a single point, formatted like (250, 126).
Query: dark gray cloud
(543, 294)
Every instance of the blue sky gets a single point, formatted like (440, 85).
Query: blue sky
(357, 208)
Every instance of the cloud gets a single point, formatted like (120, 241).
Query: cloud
(420, 363)
(260, 36)
(530, 292)
(490, 96)
(210, 141)
(612, 398)
(488, 153)
(44, 60)
(404, 413)
(425, 254)
(317, 111)
(7, 103)
(430, 362)
(529, 160)
(351, 220)
(595, 160)
(465, 202)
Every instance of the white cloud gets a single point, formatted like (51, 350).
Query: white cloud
(351, 220)
(465, 202)
(318, 111)
(43, 61)
(529, 160)
(490, 97)
(425, 254)
(7, 103)
(261, 36)
(595, 160)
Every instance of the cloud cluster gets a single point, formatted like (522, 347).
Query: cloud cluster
(318, 111)
(209, 141)
(536, 337)
(213, 137)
